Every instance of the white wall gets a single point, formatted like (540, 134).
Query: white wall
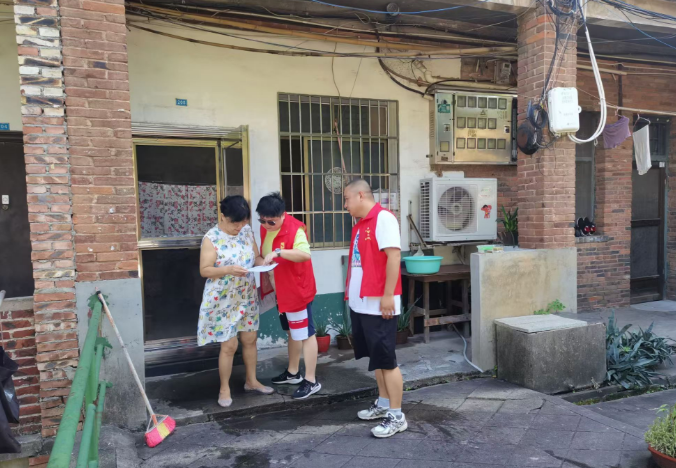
(10, 96)
(231, 88)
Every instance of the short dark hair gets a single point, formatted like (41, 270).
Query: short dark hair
(236, 208)
(271, 206)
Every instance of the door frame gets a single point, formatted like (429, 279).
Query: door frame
(168, 352)
(662, 240)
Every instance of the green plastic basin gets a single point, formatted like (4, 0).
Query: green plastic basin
(426, 265)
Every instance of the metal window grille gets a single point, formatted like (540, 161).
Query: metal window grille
(325, 142)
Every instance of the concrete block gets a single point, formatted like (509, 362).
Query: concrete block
(516, 283)
(552, 354)
(124, 405)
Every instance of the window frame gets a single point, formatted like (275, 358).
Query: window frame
(389, 140)
(664, 136)
(588, 159)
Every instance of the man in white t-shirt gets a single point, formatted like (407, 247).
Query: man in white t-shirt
(374, 296)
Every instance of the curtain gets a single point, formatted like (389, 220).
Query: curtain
(170, 210)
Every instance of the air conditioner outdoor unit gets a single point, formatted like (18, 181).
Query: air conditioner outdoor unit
(457, 209)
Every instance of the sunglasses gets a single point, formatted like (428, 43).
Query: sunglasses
(267, 221)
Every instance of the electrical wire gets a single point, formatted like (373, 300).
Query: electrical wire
(437, 10)
(306, 52)
(464, 350)
(599, 84)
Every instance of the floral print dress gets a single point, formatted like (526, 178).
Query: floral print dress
(230, 303)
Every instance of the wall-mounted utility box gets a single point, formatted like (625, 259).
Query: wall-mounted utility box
(472, 128)
(564, 111)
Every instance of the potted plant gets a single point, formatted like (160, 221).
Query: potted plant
(323, 337)
(661, 438)
(344, 337)
(403, 324)
(510, 222)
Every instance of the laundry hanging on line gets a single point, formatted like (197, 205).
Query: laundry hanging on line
(642, 149)
(614, 134)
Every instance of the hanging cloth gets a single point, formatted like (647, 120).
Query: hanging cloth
(614, 134)
(642, 149)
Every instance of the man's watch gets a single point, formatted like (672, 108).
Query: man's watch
(278, 252)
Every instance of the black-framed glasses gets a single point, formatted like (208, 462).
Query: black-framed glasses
(267, 221)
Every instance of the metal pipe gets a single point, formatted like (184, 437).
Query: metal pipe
(643, 111)
(87, 433)
(65, 437)
(602, 70)
(94, 448)
(93, 383)
(2, 296)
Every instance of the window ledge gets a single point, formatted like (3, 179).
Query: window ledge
(591, 239)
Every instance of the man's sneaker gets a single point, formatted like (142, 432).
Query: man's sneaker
(390, 426)
(374, 412)
(306, 389)
(286, 378)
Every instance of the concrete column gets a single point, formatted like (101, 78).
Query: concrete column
(546, 179)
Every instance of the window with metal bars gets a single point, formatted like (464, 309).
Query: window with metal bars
(325, 142)
(659, 138)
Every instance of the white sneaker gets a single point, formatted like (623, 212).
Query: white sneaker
(374, 412)
(390, 426)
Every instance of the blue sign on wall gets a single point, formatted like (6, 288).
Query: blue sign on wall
(182, 102)
(4, 127)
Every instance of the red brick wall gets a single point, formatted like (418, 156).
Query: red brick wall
(49, 202)
(546, 180)
(99, 133)
(604, 268)
(18, 338)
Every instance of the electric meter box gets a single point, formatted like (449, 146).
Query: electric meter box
(472, 128)
(564, 111)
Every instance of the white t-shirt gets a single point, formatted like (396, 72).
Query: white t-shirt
(387, 235)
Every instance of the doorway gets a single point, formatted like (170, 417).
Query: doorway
(16, 268)
(180, 182)
(648, 214)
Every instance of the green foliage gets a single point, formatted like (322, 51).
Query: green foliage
(662, 434)
(344, 328)
(552, 308)
(321, 328)
(510, 220)
(632, 357)
(404, 319)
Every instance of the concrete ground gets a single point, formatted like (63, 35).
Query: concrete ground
(481, 423)
(639, 411)
(191, 398)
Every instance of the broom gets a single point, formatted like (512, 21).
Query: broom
(159, 426)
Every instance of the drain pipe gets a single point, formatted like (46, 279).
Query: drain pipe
(2, 297)
(464, 351)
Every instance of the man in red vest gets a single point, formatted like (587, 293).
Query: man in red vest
(283, 241)
(373, 291)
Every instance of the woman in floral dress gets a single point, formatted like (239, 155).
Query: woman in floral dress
(230, 303)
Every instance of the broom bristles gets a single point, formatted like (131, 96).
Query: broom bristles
(157, 433)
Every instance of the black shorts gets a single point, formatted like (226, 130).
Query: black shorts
(375, 338)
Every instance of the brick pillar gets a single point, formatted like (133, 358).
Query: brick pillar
(613, 219)
(99, 131)
(49, 202)
(546, 179)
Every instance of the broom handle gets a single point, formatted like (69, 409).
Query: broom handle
(126, 355)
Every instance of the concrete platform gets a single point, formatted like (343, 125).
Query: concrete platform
(191, 398)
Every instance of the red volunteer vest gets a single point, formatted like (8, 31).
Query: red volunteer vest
(373, 260)
(295, 282)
